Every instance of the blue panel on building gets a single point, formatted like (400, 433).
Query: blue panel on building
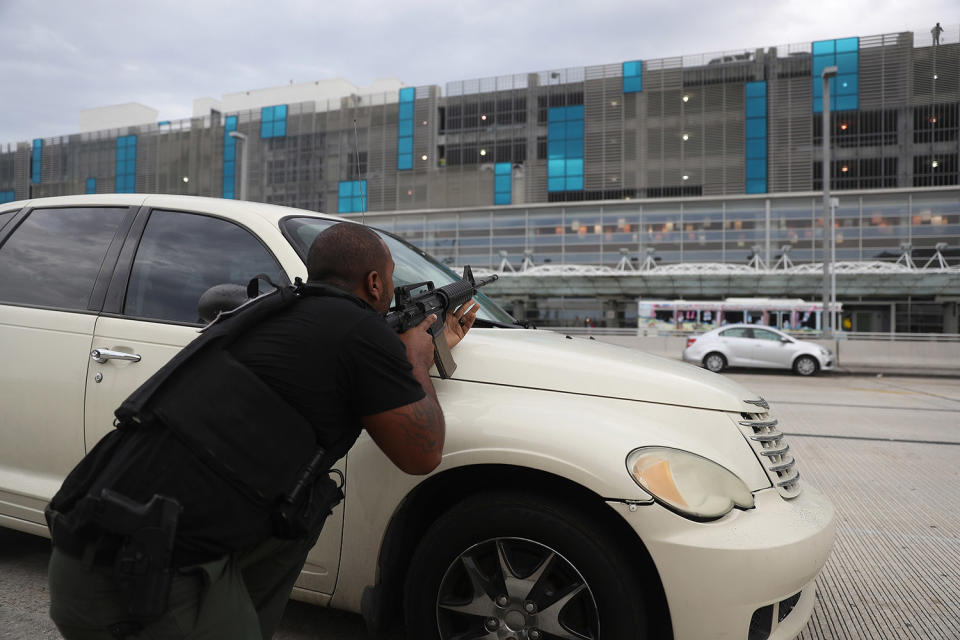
(565, 148)
(633, 76)
(126, 168)
(502, 183)
(756, 137)
(845, 86)
(273, 121)
(37, 161)
(91, 185)
(7, 196)
(405, 129)
(351, 196)
(229, 158)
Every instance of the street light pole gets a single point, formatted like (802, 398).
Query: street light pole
(242, 138)
(826, 324)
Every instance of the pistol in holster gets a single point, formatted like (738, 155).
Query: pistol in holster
(143, 565)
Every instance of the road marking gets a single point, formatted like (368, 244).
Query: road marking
(872, 439)
(862, 406)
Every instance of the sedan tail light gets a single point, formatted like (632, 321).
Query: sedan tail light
(690, 341)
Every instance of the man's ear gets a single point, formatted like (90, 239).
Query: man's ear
(374, 285)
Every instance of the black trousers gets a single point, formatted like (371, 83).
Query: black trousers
(240, 596)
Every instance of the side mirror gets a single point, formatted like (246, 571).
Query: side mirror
(221, 297)
(786, 340)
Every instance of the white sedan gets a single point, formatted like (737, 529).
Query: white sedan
(750, 345)
(583, 487)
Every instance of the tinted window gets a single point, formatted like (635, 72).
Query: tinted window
(5, 217)
(739, 332)
(181, 255)
(761, 334)
(54, 256)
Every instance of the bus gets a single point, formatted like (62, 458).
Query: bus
(793, 315)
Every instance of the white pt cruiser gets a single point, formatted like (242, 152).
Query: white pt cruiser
(587, 491)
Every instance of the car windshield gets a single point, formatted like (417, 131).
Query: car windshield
(412, 264)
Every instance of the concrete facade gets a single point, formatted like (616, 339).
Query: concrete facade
(708, 158)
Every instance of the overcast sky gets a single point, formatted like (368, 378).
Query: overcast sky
(59, 57)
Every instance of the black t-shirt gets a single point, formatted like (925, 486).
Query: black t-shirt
(333, 359)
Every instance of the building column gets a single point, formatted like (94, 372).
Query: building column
(951, 317)
(611, 307)
(519, 307)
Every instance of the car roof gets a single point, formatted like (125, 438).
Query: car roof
(238, 210)
(746, 325)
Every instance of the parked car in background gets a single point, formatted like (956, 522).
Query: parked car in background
(583, 486)
(750, 345)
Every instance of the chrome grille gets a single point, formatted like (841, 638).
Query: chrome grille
(768, 443)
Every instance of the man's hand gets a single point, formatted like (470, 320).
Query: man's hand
(412, 435)
(419, 344)
(459, 322)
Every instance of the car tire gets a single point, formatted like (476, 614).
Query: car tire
(805, 366)
(715, 362)
(521, 566)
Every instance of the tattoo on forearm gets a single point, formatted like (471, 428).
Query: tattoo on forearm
(419, 424)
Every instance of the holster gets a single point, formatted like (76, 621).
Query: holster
(143, 566)
(136, 538)
(306, 516)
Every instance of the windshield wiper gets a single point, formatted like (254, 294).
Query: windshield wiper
(502, 325)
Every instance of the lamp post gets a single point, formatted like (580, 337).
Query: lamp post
(242, 138)
(826, 324)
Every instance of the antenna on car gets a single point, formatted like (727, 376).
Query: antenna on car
(356, 154)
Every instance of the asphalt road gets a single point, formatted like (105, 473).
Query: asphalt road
(886, 450)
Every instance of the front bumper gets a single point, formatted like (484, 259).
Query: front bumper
(716, 575)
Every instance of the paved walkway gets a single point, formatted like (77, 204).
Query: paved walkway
(887, 452)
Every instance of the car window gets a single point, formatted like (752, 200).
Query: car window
(6, 217)
(411, 265)
(763, 334)
(738, 332)
(181, 255)
(54, 256)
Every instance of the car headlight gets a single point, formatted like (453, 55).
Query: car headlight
(824, 352)
(688, 484)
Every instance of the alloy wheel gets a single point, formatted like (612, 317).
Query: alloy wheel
(515, 589)
(806, 366)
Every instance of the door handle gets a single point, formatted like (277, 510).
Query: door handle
(102, 355)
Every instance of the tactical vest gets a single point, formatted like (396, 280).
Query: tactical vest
(230, 420)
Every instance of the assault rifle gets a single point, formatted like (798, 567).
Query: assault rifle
(410, 310)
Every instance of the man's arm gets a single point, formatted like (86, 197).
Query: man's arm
(412, 435)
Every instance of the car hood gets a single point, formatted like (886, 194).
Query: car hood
(543, 359)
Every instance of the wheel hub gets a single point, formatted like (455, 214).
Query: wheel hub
(515, 620)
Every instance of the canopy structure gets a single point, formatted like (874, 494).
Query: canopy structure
(720, 280)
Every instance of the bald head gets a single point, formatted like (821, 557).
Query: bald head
(354, 258)
(344, 254)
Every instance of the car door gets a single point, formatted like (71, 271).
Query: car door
(151, 313)
(738, 342)
(54, 267)
(770, 350)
